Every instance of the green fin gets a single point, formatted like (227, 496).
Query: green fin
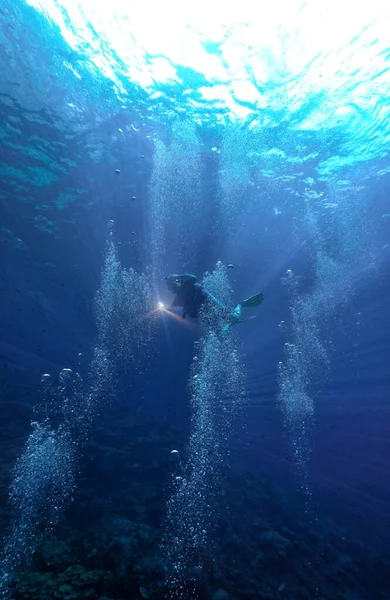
(253, 301)
(245, 320)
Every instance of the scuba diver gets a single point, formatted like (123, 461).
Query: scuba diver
(192, 297)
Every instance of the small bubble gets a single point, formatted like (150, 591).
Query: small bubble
(117, 171)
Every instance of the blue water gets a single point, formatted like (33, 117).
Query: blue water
(144, 455)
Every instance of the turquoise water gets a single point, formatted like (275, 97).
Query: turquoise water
(247, 143)
(305, 71)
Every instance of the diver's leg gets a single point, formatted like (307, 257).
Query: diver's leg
(235, 315)
(214, 301)
(233, 318)
(216, 306)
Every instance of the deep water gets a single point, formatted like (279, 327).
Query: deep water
(144, 455)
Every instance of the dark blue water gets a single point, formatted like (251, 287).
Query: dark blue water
(144, 455)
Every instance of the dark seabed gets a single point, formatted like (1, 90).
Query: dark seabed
(147, 455)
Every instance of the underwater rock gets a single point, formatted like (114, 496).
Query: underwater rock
(54, 554)
(75, 583)
(278, 542)
(261, 524)
(110, 547)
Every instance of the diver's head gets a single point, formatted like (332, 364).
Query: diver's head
(173, 284)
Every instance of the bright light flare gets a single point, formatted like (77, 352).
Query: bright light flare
(161, 308)
(179, 319)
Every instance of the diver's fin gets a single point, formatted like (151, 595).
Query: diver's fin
(253, 301)
(247, 319)
(227, 326)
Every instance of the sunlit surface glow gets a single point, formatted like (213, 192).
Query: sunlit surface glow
(315, 65)
(239, 49)
(160, 305)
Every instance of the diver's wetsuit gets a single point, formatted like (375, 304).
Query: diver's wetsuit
(191, 297)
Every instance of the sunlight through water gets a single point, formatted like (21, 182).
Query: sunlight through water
(298, 66)
(244, 58)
